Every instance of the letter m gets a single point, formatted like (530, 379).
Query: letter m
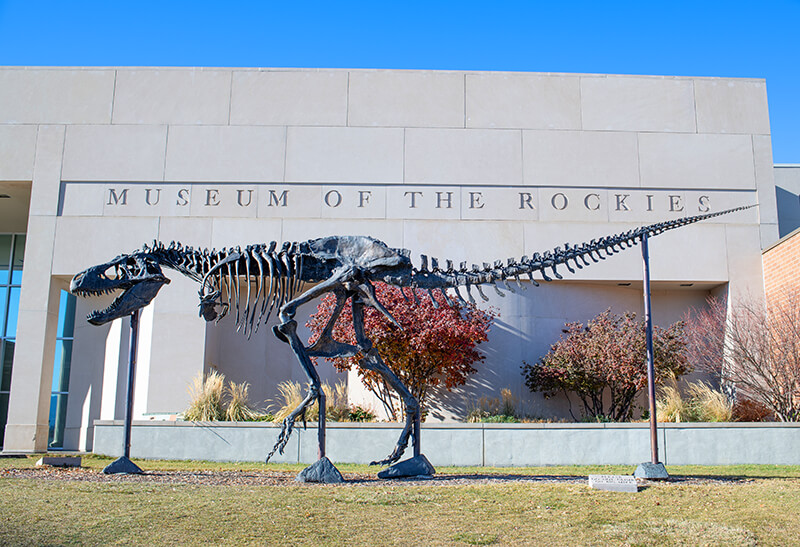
(275, 199)
(114, 199)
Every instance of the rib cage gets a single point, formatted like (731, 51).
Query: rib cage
(270, 277)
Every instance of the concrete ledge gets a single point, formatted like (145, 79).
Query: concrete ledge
(465, 444)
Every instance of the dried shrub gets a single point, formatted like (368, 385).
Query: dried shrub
(702, 403)
(206, 398)
(708, 404)
(747, 410)
(753, 349)
(213, 400)
(670, 405)
(238, 405)
(337, 409)
(494, 409)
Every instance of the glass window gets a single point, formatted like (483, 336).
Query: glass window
(3, 302)
(16, 265)
(66, 315)
(58, 416)
(61, 369)
(3, 413)
(7, 356)
(5, 258)
(13, 311)
(12, 252)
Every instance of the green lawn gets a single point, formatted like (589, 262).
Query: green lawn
(762, 506)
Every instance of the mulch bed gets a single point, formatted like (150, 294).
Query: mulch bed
(278, 478)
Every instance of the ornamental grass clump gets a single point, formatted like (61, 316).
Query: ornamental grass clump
(709, 404)
(206, 398)
(212, 400)
(337, 409)
(239, 408)
(702, 403)
(494, 409)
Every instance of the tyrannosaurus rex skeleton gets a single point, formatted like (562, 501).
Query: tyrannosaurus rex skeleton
(343, 265)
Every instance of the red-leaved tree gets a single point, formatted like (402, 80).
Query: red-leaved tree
(435, 345)
(604, 364)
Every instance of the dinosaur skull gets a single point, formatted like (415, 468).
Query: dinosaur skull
(137, 275)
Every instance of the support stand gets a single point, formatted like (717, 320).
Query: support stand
(417, 466)
(323, 469)
(124, 464)
(652, 469)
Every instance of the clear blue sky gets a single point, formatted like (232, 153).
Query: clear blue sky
(756, 39)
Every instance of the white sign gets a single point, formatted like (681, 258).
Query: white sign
(613, 483)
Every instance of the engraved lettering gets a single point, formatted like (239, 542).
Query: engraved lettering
(212, 197)
(563, 200)
(448, 199)
(333, 196)
(675, 203)
(413, 199)
(183, 197)
(621, 202)
(275, 199)
(121, 199)
(239, 194)
(649, 202)
(597, 203)
(147, 196)
(525, 200)
(703, 206)
(363, 197)
(475, 200)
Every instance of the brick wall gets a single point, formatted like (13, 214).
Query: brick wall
(782, 267)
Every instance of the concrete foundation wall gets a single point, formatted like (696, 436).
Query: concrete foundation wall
(500, 445)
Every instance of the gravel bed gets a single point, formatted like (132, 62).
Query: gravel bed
(278, 478)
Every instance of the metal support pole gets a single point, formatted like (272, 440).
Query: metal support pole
(651, 376)
(417, 443)
(124, 463)
(321, 425)
(126, 448)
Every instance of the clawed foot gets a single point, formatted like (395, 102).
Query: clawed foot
(283, 437)
(399, 448)
(393, 457)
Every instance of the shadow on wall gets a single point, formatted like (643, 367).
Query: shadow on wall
(263, 361)
(530, 322)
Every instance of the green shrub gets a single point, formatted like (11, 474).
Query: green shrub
(494, 409)
(500, 419)
(361, 414)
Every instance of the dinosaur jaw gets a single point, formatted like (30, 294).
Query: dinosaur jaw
(131, 299)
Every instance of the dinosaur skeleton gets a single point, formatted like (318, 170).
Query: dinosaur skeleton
(261, 278)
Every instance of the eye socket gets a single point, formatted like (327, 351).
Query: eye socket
(112, 272)
(116, 272)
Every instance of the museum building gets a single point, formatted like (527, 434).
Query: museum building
(467, 166)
